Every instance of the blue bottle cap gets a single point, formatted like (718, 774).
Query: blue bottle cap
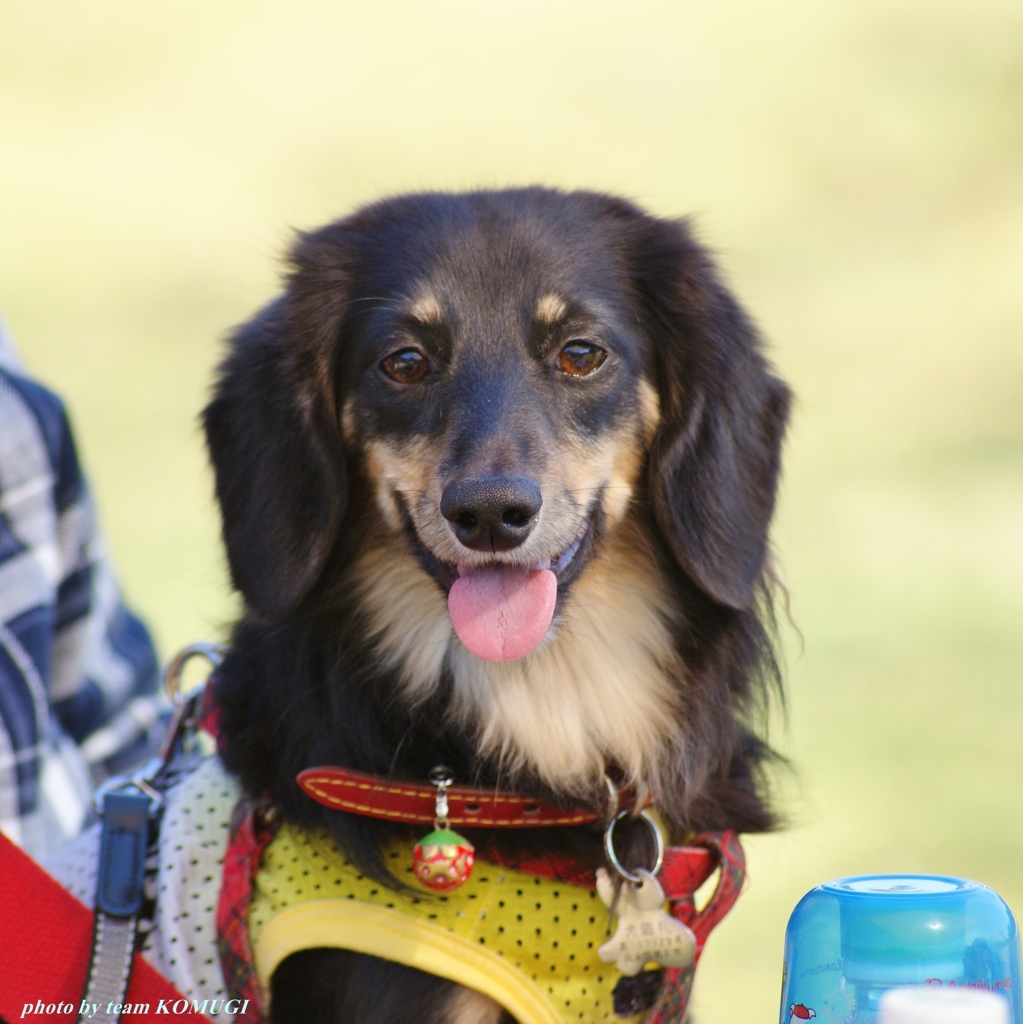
(896, 928)
(850, 940)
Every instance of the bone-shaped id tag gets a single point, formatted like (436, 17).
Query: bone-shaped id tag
(645, 932)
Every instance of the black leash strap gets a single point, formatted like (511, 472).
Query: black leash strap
(119, 892)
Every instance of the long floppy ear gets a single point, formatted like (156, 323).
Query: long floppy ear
(274, 439)
(715, 458)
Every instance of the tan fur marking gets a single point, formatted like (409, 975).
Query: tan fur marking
(426, 309)
(468, 1006)
(612, 464)
(628, 460)
(408, 612)
(551, 308)
(348, 420)
(407, 470)
(649, 410)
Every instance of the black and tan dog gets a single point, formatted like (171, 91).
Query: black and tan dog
(496, 472)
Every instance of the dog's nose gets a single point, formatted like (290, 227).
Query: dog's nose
(492, 513)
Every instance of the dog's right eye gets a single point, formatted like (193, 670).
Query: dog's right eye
(580, 358)
(406, 366)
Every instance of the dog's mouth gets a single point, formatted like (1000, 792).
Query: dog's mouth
(502, 611)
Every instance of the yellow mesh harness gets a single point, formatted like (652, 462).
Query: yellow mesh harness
(529, 943)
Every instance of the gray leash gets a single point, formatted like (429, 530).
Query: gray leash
(130, 810)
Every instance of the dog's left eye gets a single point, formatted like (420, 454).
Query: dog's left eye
(406, 366)
(581, 357)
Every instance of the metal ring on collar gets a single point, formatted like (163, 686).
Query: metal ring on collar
(609, 846)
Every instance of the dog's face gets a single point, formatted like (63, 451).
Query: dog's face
(496, 388)
(563, 422)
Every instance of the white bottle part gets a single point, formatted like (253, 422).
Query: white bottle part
(942, 1006)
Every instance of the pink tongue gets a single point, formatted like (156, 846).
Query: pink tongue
(503, 614)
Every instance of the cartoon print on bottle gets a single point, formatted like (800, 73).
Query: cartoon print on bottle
(798, 1012)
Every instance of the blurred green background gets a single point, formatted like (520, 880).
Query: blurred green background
(858, 167)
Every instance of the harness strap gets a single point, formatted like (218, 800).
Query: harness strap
(376, 796)
(122, 870)
(44, 948)
(726, 851)
(252, 829)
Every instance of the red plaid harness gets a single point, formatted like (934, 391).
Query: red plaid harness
(685, 869)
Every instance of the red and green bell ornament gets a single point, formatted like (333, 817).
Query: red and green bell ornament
(442, 860)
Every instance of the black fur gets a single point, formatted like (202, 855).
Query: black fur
(335, 985)
(303, 686)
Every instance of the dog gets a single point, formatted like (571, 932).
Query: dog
(496, 472)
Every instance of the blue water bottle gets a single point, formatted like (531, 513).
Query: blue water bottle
(851, 940)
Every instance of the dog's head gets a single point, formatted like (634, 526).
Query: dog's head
(512, 380)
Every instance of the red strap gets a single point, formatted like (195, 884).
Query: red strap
(376, 796)
(555, 867)
(45, 940)
(252, 829)
(723, 850)
(684, 870)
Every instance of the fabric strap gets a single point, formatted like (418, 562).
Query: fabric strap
(113, 943)
(45, 936)
(680, 889)
(253, 827)
(122, 869)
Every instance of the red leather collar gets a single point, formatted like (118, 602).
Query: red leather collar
(376, 796)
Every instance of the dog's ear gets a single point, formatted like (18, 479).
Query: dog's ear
(715, 457)
(274, 438)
